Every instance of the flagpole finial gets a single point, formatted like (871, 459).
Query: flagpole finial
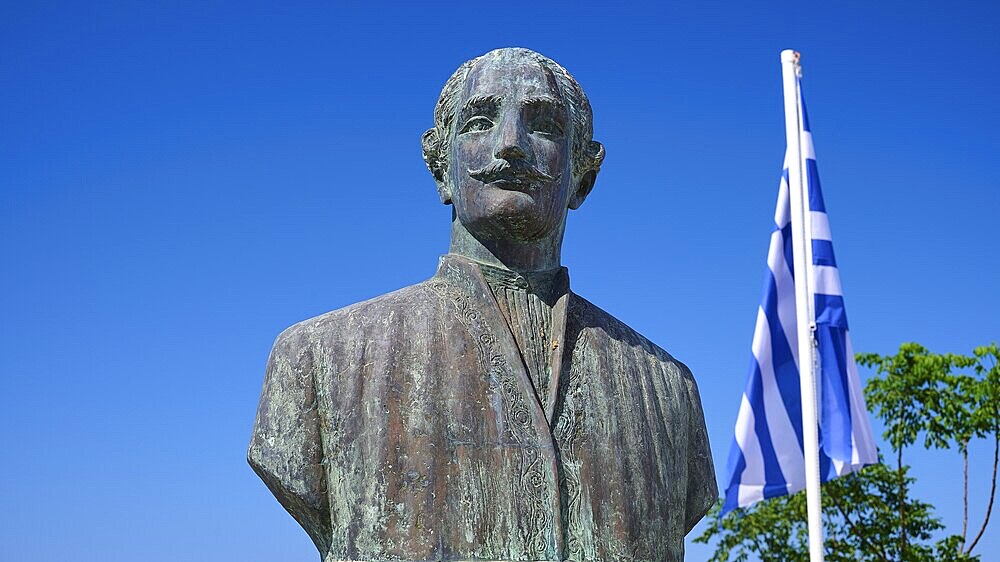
(789, 55)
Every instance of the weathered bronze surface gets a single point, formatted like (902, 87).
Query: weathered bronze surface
(488, 413)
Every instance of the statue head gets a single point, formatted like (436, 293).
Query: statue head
(511, 148)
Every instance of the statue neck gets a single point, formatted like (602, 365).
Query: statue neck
(515, 255)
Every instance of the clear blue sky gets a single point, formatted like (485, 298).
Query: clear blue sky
(178, 184)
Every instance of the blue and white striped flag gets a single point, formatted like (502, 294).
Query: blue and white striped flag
(766, 459)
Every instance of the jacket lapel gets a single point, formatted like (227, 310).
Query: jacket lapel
(465, 274)
(556, 358)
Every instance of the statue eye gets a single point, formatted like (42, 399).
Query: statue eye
(548, 126)
(477, 123)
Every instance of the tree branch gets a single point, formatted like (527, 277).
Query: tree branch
(857, 532)
(965, 494)
(993, 489)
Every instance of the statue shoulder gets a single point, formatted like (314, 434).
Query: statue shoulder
(357, 318)
(612, 333)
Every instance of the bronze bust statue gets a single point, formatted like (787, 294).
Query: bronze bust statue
(488, 413)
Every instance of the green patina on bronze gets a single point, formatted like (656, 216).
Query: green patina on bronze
(489, 413)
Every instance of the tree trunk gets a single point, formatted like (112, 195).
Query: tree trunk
(902, 502)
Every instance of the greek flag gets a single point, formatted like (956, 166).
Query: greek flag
(766, 458)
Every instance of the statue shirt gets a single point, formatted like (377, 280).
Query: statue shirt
(526, 302)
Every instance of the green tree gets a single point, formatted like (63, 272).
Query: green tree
(871, 514)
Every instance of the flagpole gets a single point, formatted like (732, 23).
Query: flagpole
(790, 72)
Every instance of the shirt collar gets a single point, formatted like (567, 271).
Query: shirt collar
(548, 285)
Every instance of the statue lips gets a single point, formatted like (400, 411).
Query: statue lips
(513, 175)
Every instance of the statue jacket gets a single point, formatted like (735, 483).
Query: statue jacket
(406, 428)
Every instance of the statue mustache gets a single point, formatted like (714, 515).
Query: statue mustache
(516, 171)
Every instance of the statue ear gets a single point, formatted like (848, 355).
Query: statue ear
(583, 189)
(436, 163)
(595, 155)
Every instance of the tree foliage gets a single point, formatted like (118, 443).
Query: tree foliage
(936, 401)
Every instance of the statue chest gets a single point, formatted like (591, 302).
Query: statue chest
(439, 448)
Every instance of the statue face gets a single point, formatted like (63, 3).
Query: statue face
(510, 157)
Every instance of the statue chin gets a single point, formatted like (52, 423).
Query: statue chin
(509, 224)
(508, 215)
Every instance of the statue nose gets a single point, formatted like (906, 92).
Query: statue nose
(510, 143)
(510, 152)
